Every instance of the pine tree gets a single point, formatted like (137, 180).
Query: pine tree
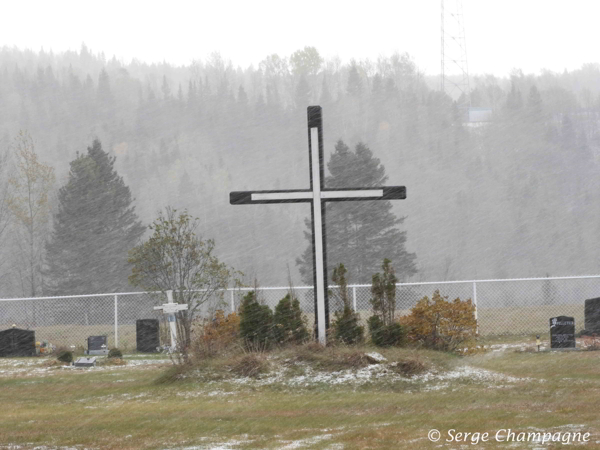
(354, 82)
(360, 234)
(93, 230)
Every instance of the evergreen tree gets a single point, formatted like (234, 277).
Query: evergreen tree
(354, 82)
(359, 233)
(288, 321)
(514, 100)
(93, 230)
(346, 326)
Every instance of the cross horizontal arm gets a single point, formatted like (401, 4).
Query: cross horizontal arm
(259, 197)
(354, 194)
(332, 195)
(169, 308)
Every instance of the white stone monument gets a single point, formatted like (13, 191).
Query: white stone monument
(171, 308)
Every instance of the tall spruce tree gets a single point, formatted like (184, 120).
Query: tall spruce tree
(95, 227)
(359, 234)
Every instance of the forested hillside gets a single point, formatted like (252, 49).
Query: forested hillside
(517, 196)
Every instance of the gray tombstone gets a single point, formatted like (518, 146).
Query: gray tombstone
(592, 315)
(97, 345)
(562, 332)
(85, 362)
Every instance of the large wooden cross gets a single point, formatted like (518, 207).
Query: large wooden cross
(318, 195)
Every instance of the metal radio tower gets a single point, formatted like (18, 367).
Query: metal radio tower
(455, 70)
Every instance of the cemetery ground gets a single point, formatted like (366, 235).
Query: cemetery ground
(302, 397)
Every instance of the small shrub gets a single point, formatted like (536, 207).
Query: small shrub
(172, 374)
(443, 325)
(383, 290)
(115, 353)
(345, 328)
(65, 356)
(382, 335)
(289, 325)
(250, 365)
(217, 335)
(256, 322)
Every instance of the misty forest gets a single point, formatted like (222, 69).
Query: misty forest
(513, 195)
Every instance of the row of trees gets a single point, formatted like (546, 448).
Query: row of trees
(84, 249)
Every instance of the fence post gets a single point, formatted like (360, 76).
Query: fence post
(475, 304)
(354, 297)
(232, 302)
(116, 321)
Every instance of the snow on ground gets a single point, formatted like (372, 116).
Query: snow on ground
(37, 367)
(431, 380)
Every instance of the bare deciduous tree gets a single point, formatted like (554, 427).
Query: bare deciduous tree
(30, 186)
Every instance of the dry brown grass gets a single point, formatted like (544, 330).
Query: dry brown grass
(410, 366)
(124, 408)
(250, 365)
(111, 362)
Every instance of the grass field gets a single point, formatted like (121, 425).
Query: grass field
(320, 400)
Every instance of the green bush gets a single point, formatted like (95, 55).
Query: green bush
(115, 353)
(65, 356)
(383, 289)
(386, 335)
(345, 328)
(288, 322)
(256, 322)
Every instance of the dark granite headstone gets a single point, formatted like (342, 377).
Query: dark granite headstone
(147, 335)
(592, 315)
(17, 342)
(562, 332)
(96, 343)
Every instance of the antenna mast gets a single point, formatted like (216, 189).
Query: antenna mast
(455, 69)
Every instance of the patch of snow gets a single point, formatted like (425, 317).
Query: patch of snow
(472, 373)
(230, 445)
(306, 442)
(196, 394)
(377, 356)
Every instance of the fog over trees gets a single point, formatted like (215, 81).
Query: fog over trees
(517, 196)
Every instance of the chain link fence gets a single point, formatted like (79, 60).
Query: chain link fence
(504, 307)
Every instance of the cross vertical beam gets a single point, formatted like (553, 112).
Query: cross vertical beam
(171, 318)
(171, 308)
(317, 177)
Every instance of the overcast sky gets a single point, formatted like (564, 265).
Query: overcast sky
(501, 35)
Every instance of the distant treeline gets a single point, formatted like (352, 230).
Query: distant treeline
(516, 196)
